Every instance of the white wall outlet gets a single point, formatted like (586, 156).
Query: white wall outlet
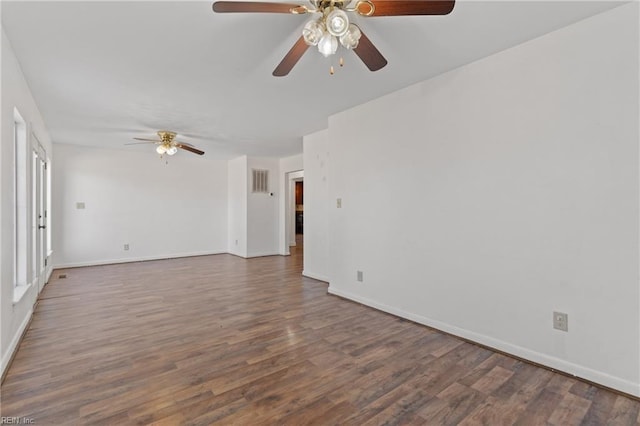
(561, 321)
(359, 276)
(339, 203)
(126, 247)
(236, 242)
(80, 205)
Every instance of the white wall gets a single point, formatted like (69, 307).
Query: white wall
(293, 163)
(15, 94)
(238, 187)
(316, 206)
(263, 210)
(133, 197)
(288, 165)
(482, 200)
(254, 220)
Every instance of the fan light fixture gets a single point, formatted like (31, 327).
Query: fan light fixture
(326, 31)
(167, 144)
(333, 27)
(166, 148)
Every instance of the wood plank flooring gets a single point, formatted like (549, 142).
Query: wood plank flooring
(220, 339)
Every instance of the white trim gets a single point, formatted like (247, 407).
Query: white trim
(259, 254)
(13, 346)
(134, 259)
(315, 276)
(263, 254)
(19, 291)
(238, 254)
(576, 370)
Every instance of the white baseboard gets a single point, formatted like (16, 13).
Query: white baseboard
(263, 254)
(315, 276)
(13, 346)
(576, 370)
(134, 259)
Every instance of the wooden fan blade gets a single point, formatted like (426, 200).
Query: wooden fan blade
(150, 140)
(141, 143)
(256, 7)
(190, 149)
(369, 54)
(406, 7)
(291, 58)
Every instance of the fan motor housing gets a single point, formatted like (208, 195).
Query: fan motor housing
(166, 136)
(323, 4)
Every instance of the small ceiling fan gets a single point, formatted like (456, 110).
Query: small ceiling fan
(167, 144)
(333, 26)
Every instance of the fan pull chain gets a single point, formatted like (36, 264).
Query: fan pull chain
(340, 62)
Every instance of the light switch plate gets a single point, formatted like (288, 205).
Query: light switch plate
(80, 205)
(339, 203)
(561, 321)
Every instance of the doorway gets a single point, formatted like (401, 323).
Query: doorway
(294, 210)
(299, 208)
(39, 202)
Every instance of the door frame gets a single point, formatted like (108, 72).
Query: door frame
(290, 208)
(39, 214)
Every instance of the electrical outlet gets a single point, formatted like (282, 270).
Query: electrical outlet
(126, 247)
(359, 276)
(561, 321)
(236, 242)
(339, 203)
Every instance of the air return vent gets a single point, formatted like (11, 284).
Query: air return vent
(260, 181)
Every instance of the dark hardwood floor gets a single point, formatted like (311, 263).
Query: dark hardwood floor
(249, 342)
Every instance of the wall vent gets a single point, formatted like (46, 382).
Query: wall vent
(260, 181)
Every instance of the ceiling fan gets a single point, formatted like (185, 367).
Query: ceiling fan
(167, 144)
(333, 26)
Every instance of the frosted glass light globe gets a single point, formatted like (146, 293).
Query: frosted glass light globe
(337, 22)
(172, 150)
(312, 32)
(161, 149)
(328, 45)
(351, 38)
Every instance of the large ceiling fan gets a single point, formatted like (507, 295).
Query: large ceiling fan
(333, 27)
(167, 144)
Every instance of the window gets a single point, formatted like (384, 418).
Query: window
(21, 216)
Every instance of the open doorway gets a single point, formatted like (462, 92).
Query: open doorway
(299, 209)
(294, 211)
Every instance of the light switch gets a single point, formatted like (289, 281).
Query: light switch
(339, 203)
(80, 206)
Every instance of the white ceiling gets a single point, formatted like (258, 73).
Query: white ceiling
(104, 72)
